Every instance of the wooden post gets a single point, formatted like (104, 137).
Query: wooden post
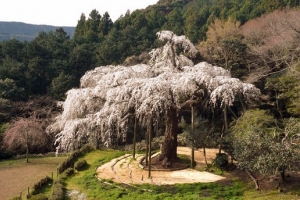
(134, 137)
(150, 139)
(193, 124)
(225, 126)
(147, 147)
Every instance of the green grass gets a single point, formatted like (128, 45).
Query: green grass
(94, 160)
(86, 182)
(291, 191)
(251, 194)
(213, 169)
(18, 162)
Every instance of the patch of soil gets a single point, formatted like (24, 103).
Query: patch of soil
(15, 180)
(128, 171)
(156, 164)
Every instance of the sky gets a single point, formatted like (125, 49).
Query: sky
(64, 12)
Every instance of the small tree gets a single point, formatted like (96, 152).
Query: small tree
(199, 136)
(224, 45)
(261, 147)
(6, 110)
(273, 42)
(25, 136)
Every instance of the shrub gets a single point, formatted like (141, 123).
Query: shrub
(68, 172)
(86, 149)
(80, 165)
(69, 162)
(39, 197)
(37, 186)
(221, 160)
(58, 190)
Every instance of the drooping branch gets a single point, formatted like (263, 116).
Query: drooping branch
(101, 109)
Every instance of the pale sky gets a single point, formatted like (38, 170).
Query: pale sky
(64, 12)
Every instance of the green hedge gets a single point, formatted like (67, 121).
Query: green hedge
(221, 160)
(58, 191)
(70, 161)
(37, 186)
(80, 165)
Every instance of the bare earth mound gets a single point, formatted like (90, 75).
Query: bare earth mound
(126, 170)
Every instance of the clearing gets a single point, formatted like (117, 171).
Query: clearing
(126, 170)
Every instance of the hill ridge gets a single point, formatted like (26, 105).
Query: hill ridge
(27, 32)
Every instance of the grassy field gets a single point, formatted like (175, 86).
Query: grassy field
(85, 182)
(16, 175)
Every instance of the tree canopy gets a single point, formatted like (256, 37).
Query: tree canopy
(102, 109)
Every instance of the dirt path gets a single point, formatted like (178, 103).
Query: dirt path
(18, 176)
(126, 170)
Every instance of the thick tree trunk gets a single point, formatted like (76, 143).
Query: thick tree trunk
(169, 148)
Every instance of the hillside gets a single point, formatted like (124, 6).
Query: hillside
(26, 32)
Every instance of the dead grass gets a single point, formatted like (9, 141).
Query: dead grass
(16, 175)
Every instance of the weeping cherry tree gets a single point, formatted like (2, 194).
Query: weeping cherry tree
(102, 111)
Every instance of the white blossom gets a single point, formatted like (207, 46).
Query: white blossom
(102, 109)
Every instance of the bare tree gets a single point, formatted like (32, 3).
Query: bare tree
(273, 42)
(26, 136)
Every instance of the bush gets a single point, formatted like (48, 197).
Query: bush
(86, 149)
(68, 172)
(69, 162)
(39, 197)
(80, 165)
(221, 160)
(58, 190)
(37, 186)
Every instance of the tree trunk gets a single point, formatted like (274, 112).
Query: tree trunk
(282, 175)
(204, 154)
(169, 147)
(255, 180)
(27, 152)
(27, 147)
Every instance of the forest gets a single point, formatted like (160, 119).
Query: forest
(257, 42)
